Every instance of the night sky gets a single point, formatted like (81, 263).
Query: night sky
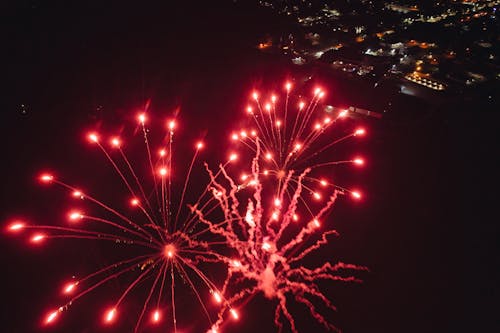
(427, 229)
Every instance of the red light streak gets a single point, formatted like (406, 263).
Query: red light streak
(255, 218)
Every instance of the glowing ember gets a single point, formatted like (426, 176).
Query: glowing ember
(217, 297)
(171, 125)
(156, 316)
(77, 194)
(234, 314)
(93, 137)
(46, 178)
(51, 317)
(115, 142)
(169, 250)
(16, 226)
(110, 316)
(37, 238)
(75, 215)
(358, 161)
(359, 131)
(69, 288)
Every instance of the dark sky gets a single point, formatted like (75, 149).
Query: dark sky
(428, 228)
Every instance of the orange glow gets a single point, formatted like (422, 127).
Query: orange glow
(316, 223)
(16, 226)
(356, 195)
(268, 107)
(327, 120)
(243, 134)
(301, 105)
(249, 110)
(233, 157)
(323, 182)
(253, 133)
(321, 94)
(134, 202)
(236, 263)
(317, 196)
(317, 91)
(169, 250)
(110, 315)
(156, 316)
(234, 137)
(199, 145)
(234, 314)
(46, 178)
(288, 86)
(298, 146)
(269, 156)
(162, 172)
(343, 113)
(278, 123)
(142, 118)
(51, 317)
(277, 202)
(93, 137)
(162, 152)
(317, 126)
(37, 238)
(295, 217)
(273, 99)
(255, 95)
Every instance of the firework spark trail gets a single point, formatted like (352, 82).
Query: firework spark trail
(173, 240)
(255, 216)
(268, 240)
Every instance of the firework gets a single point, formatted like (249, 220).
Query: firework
(260, 215)
(164, 245)
(275, 213)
